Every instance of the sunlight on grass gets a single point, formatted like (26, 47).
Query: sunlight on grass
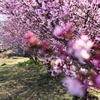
(95, 92)
(13, 60)
(4, 60)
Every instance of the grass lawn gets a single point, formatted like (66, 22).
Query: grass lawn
(27, 81)
(21, 79)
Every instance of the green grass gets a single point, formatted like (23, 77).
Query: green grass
(27, 81)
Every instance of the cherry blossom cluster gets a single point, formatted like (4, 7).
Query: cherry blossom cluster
(80, 48)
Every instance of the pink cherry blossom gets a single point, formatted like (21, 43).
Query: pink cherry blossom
(58, 31)
(74, 86)
(80, 48)
(96, 80)
(28, 35)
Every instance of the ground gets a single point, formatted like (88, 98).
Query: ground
(21, 79)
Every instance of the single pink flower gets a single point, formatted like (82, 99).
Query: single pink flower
(28, 35)
(74, 86)
(58, 31)
(96, 81)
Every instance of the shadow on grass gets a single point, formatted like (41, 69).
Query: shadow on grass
(27, 81)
